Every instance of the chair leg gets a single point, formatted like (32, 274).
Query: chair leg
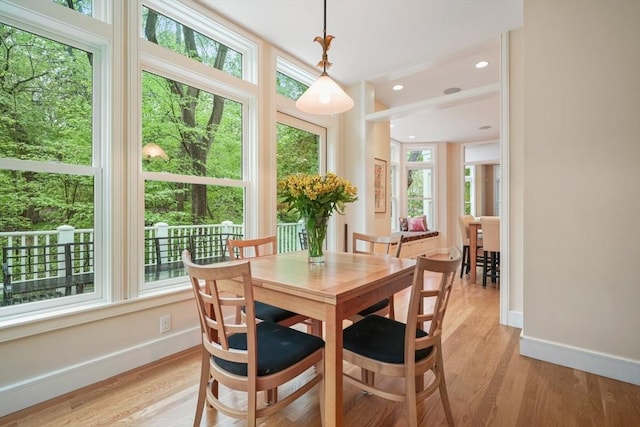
(392, 310)
(494, 264)
(485, 265)
(465, 260)
(444, 395)
(252, 406)
(412, 402)
(367, 377)
(202, 389)
(271, 396)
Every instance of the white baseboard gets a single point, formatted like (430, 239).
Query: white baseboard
(14, 397)
(514, 319)
(606, 365)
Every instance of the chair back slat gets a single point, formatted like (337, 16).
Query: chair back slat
(420, 312)
(211, 301)
(376, 244)
(249, 248)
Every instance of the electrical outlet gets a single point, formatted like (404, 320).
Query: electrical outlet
(165, 323)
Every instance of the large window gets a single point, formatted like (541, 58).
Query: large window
(469, 190)
(192, 147)
(50, 171)
(301, 148)
(420, 185)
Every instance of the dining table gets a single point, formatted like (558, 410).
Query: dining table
(474, 228)
(343, 285)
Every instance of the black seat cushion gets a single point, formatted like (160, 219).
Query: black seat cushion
(380, 338)
(278, 348)
(271, 313)
(375, 307)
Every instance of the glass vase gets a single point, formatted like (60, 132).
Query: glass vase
(316, 227)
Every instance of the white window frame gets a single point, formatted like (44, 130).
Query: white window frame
(432, 222)
(71, 28)
(472, 188)
(166, 63)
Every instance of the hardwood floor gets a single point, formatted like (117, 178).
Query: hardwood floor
(489, 384)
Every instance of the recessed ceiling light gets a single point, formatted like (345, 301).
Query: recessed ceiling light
(391, 125)
(451, 90)
(482, 64)
(484, 127)
(398, 87)
(412, 137)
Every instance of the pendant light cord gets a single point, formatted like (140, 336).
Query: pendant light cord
(324, 37)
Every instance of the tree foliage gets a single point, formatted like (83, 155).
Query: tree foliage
(47, 113)
(297, 152)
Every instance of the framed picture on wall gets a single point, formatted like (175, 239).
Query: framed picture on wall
(380, 184)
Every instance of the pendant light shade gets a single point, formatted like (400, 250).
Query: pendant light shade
(324, 96)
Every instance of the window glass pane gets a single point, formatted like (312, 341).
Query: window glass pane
(298, 151)
(168, 33)
(85, 7)
(422, 155)
(289, 87)
(182, 216)
(468, 182)
(46, 235)
(189, 131)
(420, 194)
(46, 99)
(419, 183)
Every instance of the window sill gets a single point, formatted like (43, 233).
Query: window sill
(25, 325)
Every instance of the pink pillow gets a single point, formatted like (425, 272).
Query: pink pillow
(417, 224)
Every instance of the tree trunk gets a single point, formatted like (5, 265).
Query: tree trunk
(195, 144)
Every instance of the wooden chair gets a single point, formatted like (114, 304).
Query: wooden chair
(491, 248)
(463, 222)
(249, 248)
(376, 245)
(384, 346)
(230, 353)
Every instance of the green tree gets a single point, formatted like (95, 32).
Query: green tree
(178, 113)
(45, 116)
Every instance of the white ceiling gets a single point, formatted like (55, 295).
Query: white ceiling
(426, 45)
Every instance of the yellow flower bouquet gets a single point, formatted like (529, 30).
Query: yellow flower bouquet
(316, 197)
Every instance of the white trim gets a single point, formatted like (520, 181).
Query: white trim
(505, 278)
(17, 396)
(56, 22)
(515, 319)
(159, 60)
(294, 71)
(606, 365)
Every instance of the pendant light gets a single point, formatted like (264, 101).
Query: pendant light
(324, 96)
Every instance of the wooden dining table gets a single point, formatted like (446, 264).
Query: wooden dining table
(331, 292)
(474, 228)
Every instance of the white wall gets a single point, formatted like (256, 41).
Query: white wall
(581, 190)
(41, 360)
(488, 153)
